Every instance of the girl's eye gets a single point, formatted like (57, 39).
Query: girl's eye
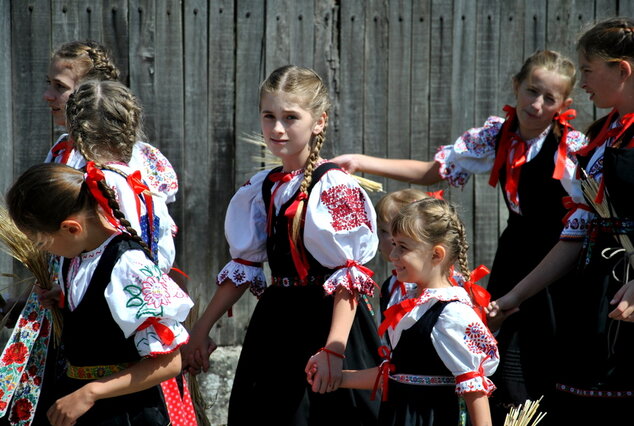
(291, 117)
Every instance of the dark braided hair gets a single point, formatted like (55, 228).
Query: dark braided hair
(611, 40)
(47, 194)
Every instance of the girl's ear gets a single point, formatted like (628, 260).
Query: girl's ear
(320, 124)
(625, 68)
(438, 254)
(72, 226)
(566, 104)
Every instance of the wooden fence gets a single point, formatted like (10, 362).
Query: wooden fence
(405, 77)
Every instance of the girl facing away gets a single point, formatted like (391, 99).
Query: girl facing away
(109, 279)
(439, 351)
(316, 228)
(596, 380)
(529, 154)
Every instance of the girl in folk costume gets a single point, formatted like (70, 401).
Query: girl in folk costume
(316, 228)
(596, 383)
(109, 279)
(88, 60)
(528, 154)
(439, 348)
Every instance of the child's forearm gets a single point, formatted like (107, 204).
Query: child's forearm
(343, 312)
(144, 374)
(478, 408)
(412, 171)
(359, 379)
(226, 295)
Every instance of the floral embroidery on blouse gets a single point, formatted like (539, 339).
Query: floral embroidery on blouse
(346, 207)
(479, 339)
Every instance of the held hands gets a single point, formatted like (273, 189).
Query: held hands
(323, 371)
(500, 309)
(195, 354)
(68, 409)
(624, 301)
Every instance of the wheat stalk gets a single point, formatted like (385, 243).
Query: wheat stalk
(269, 161)
(522, 415)
(18, 246)
(198, 399)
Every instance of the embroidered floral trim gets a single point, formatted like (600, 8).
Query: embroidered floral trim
(442, 295)
(240, 274)
(594, 393)
(92, 372)
(352, 279)
(411, 379)
(346, 206)
(295, 281)
(477, 384)
(479, 340)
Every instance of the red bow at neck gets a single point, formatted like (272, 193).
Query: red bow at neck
(95, 175)
(65, 148)
(141, 189)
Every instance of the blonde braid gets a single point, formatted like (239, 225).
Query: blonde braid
(88, 59)
(463, 260)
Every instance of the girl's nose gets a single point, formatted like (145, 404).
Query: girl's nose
(279, 128)
(393, 254)
(48, 96)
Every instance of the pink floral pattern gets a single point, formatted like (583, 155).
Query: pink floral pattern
(479, 340)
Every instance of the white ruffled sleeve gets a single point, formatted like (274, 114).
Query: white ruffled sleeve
(467, 348)
(472, 153)
(146, 303)
(156, 170)
(340, 231)
(245, 230)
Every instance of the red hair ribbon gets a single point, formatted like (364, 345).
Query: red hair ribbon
(165, 334)
(562, 148)
(66, 146)
(140, 188)
(383, 377)
(571, 206)
(94, 175)
(395, 313)
(479, 295)
(297, 252)
(437, 194)
(275, 177)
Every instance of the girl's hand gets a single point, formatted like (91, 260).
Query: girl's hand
(624, 301)
(48, 298)
(496, 314)
(348, 162)
(326, 372)
(310, 374)
(195, 354)
(68, 409)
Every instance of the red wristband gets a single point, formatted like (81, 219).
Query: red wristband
(328, 351)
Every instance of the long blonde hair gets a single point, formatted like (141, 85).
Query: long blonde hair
(311, 93)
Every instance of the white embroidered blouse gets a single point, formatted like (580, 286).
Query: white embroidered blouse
(462, 341)
(340, 228)
(474, 153)
(137, 291)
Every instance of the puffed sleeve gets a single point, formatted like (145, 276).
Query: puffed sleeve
(156, 170)
(579, 213)
(146, 303)
(467, 348)
(472, 153)
(340, 231)
(245, 230)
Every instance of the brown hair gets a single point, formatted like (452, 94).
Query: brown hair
(611, 40)
(87, 59)
(104, 120)
(551, 61)
(48, 193)
(389, 205)
(435, 222)
(311, 94)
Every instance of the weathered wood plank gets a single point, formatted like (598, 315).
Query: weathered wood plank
(326, 63)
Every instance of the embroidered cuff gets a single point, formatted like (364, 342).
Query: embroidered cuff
(149, 342)
(240, 273)
(447, 170)
(476, 384)
(576, 227)
(353, 279)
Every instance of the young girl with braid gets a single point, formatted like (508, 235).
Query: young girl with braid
(122, 315)
(316, 228)
(439, 351)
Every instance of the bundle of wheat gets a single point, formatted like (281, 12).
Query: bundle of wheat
(523, 415)
(269, 161)
(18, 246)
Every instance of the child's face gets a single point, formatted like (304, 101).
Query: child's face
(58, 243)
(288, 128)
(539, 97)
(385, 239)
(411, 259)
(61, 83)
(601, 80)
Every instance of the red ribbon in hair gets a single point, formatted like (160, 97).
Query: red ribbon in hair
(571, 206)
(94, 175)
(164, 333)
(297, 253)
(479, 295)
(560, 162)
(395, 313)
(140, 188)
(66, 146)
(437, 194)
(383, 377)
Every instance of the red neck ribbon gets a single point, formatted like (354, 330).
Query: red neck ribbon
(502, 157)
(280, 177)
(562, 148)
(395, 313)
(63, 147)
(141, 189)
(164, 333)
(383, 377)
(479, 295)
(95, 175)
(297, 251)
